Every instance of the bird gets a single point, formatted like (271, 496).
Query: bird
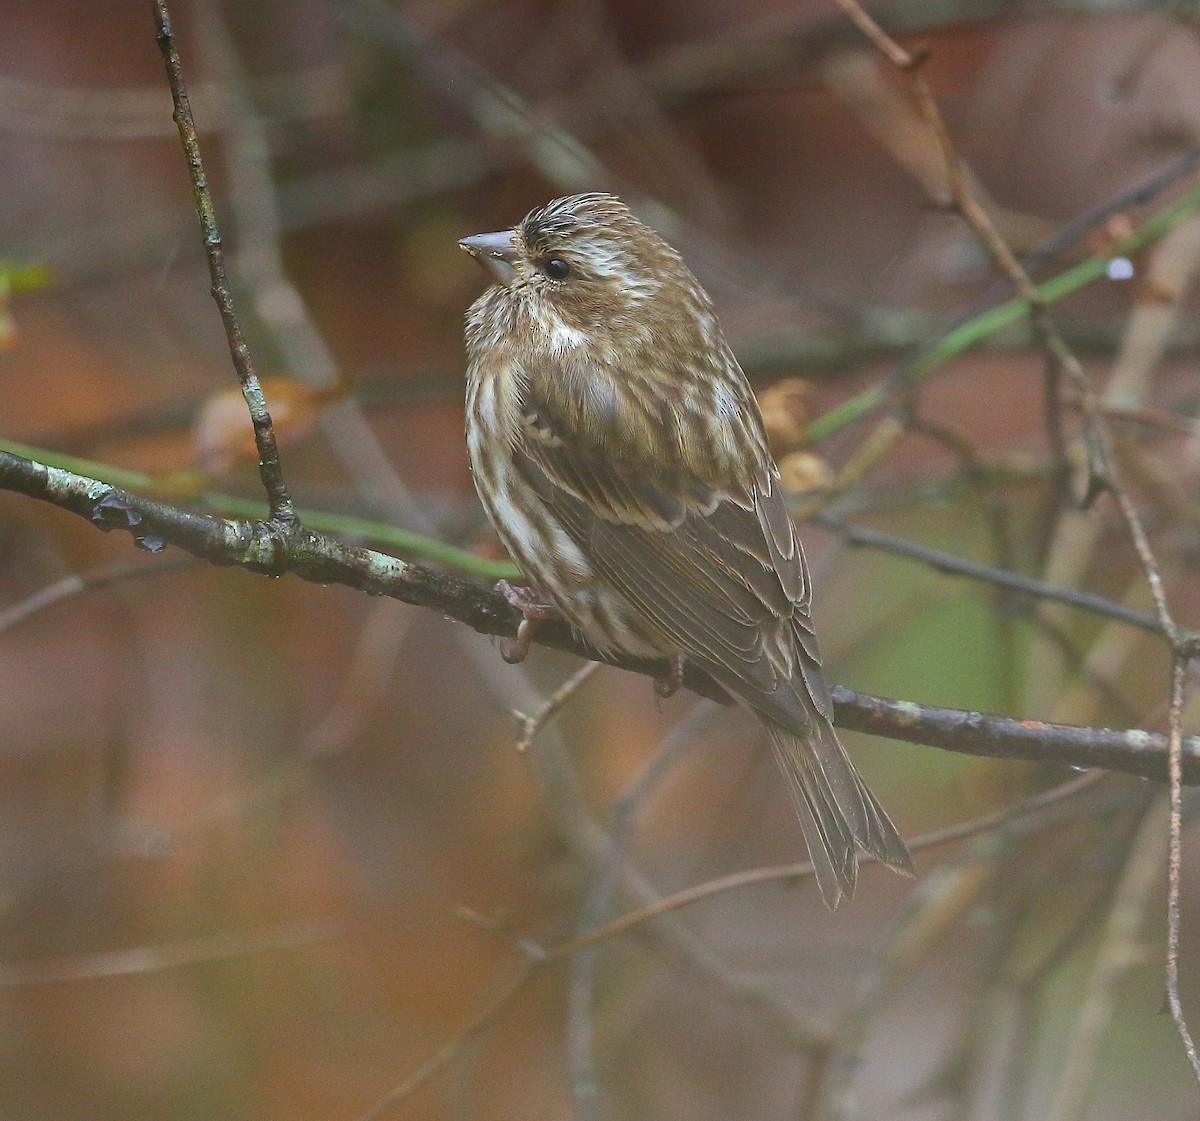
(620, 455)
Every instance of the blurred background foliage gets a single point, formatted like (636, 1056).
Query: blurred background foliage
(265, 848)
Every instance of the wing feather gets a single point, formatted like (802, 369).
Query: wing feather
(709, 583)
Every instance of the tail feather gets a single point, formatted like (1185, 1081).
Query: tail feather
(838, 814)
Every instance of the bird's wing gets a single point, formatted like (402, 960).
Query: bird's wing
(715, 569)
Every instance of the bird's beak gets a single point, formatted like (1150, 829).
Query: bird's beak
(496, 252)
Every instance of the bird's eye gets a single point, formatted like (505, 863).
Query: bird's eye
(556, 268)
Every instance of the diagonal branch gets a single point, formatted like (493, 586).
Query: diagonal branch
(297, 550)
(952, 565)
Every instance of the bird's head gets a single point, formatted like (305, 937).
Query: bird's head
(585, 270)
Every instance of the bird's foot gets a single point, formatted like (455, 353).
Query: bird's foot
(533, 612)
(671, 681)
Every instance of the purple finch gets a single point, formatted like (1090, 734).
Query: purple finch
(620, 454)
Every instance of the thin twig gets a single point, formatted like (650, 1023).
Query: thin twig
(1182, 648)
(1118, 951)
(77, 584)
(973, 570)
(1138, 194)
(983, 322)
(283, 516)
(1101, 475)
(585, 1086)
(1175, 866)
(165, 955)
(1056, 435)
(280, 307)
(978, 219)
(786, 873)
(532, 724)
(943, 899)
(451, 1050)
(590, 845)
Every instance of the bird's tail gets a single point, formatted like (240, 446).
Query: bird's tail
(838, 814)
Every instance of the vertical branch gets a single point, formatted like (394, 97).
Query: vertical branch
(283, 516)
(1055, 433)
(280, 308)
(1101, 476)
(585, 1087)
(1175, 861)
(1183, 648)
(1117, 952)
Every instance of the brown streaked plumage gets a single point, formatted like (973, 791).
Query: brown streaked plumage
(620, 455)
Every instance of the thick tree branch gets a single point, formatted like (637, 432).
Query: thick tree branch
(257, 545)
(270, 550)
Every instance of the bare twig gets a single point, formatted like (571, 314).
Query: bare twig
(534, 723)
(1095, 438)
(1183, 646)
(585, 1085)
(1001, 578)
(978, 219)
(70, 586)
(785, 873)
(451, 1050)
(1118, 951)
(279, 305)
(976, 733)
(1138, 194)
(1175, 866)
(282, 515)
(166, 955)
(591, 846)
(940, 901)
(985, 320)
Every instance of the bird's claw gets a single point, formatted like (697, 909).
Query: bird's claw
(671, 681)
(514, 650)
(533, 612)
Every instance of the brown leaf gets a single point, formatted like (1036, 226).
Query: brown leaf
(802, 471)
(785, 412)
(223, 437)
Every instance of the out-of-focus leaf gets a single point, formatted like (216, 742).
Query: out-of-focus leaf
(222, 436)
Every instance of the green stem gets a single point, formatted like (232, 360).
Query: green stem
(979, 327)
(16, 280)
